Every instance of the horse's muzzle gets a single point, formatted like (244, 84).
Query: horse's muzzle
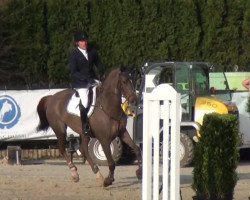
(132, 106)
(132, 110)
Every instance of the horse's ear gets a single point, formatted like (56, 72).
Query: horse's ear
(99, 88)
(123, 68)
(102, 78)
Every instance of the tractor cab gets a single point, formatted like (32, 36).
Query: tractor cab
(191, 80)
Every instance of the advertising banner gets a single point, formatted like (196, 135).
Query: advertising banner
(18, 116)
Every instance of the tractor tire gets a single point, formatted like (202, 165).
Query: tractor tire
(97, 154)
(186, 150)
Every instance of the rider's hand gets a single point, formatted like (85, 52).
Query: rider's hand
(91, 81)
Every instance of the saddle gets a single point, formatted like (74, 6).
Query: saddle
(87, 96)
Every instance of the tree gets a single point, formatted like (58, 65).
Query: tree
(105, 30)
(37, 36)
(33, 54)
(25, 46)
(246, 36)
(131, 34)
(213, 22)
(189, 32)
(64, 19)
(231, 33)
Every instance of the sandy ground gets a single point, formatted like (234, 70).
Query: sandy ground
(49, 181)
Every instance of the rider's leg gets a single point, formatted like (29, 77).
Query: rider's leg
(84, 119)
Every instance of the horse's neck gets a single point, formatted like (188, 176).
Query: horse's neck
(110, 101)
(109, 96)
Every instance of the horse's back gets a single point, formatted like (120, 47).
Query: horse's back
(64, 93)
(59, 101)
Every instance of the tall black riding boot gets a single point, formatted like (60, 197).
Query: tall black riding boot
(84, 119)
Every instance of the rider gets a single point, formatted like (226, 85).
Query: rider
(81, 63)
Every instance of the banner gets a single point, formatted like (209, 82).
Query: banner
(18, 116)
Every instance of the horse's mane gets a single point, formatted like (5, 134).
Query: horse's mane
(109, 73)
(121, 68)
(110, 79)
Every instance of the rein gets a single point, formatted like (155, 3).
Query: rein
(101, 107)
(118, 93)
(118, 119)
(111, 117)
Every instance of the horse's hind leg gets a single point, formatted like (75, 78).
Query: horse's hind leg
(125, 137)
(60, 131)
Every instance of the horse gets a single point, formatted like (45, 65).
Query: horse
(107, 121)
(6, 107)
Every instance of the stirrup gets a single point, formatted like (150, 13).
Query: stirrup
(86, 130)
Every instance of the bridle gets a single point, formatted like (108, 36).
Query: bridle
(129, 95)
(118, 94)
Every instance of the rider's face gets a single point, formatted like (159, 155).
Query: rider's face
(83, 44)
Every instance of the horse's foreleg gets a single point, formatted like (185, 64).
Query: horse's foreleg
(125, 137)
(80, 152)
(110, 178)
(84, 150)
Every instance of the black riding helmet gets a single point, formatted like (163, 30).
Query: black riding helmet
(80, 36)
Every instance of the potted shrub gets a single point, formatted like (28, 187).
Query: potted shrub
(215, 158)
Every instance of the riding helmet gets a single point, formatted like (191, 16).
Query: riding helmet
(80, 36)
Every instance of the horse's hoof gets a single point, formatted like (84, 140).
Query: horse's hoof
(108, 181)
(99, 179)
(99, 176)
(75, 179)
(139, 173)
(95, 169)
(74, 175)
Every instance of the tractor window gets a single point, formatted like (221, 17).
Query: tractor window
(219, 86)
(182, 87)
(154, 75)
(200, 81)
(165, 76)
(182, 79)
(160, 75)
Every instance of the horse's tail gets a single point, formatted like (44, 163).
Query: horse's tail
(41, 110)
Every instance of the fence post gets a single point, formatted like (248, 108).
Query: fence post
(162, 104)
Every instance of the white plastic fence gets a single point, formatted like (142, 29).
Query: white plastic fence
(163, 103)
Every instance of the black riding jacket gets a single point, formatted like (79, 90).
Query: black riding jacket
(82, 69)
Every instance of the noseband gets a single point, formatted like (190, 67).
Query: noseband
(122, 89)
(129, 96)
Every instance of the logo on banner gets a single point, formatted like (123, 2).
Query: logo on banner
(9, 112)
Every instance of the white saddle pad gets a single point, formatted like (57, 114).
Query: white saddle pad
(73, 105)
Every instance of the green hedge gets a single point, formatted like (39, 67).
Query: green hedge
(215, 157)
(36, 36)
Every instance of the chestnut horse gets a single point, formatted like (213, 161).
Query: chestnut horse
(107, 121)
